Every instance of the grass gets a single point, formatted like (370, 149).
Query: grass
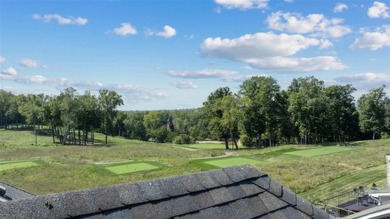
(131, 167)
(326, 172)
(205, 146)
(363, 178)
(319, 151)
(16, 165)
(230, 161)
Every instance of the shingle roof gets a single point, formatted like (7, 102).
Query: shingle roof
(236, 192)
(14, 194)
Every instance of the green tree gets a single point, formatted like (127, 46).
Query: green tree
(342, 118)
(109, 101)
(231, 116)
(5, 104)
(308, 107)
(33, 110)
(372, 111)
(213, 115)
(260, 106)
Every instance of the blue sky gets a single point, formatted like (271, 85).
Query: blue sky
(172, 54)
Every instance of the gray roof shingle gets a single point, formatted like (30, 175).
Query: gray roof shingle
(235, 192)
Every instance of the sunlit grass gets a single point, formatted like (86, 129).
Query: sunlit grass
(231, 161)
(16, 165)
(66, 168)
(319, 151)
(131, 167)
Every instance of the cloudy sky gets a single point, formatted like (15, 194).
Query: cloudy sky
(172, 54)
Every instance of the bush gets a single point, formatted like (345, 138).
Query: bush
(182, 139)
(177, 140)
(246, 141)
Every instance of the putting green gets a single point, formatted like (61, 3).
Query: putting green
(15, 165)
(319, 151)
(233, 161)
(130, 168)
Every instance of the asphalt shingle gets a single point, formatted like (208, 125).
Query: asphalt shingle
(151, 190)
(236, 192)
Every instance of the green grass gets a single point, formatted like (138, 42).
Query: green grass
(214, 163)
(319, 151)
(205, 146)
(17, 165)
(353, 180)
(231, 161)
(66, 168)
(131, 167)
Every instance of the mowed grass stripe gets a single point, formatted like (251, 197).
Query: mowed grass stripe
(319, 151)
(347, 183)
(15, 165)
(130, 168)
(234, 161)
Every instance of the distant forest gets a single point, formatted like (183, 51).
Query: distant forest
(260, 114)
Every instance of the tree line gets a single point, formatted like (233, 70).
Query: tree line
(260, 114)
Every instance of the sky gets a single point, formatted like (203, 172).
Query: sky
(171, 54)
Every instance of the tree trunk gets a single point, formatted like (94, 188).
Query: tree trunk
(226, 143)
(36, 137)
(53, 134)
(373, 136)
(79, 136)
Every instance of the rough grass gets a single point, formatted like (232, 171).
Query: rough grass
(348, 182)
(319, 151)
(74, 167)
(16, 165)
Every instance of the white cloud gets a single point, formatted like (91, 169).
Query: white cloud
(315, 24)
(204, 73)
(138, 93)
(125, 29)
(168, 32)
(9, 72)
(61, 20)
(37, 79)
(185, 85)
(373, 40)
(2, 60)
(29, 63)
(340, 7)
(269, 51)
(286, 64)
(378, 10)
(289, 1)
(259, 45)
(365, 81)
(243, 4)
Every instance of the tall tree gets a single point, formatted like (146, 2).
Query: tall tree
(372, 111)
(5, 104)
(342, 119)
(109, 101)
(213, 115)
(231, 116)
(260, 106)
(307, 106)
(33, 110)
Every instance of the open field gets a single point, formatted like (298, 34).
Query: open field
(319, 151)
(314, 174)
